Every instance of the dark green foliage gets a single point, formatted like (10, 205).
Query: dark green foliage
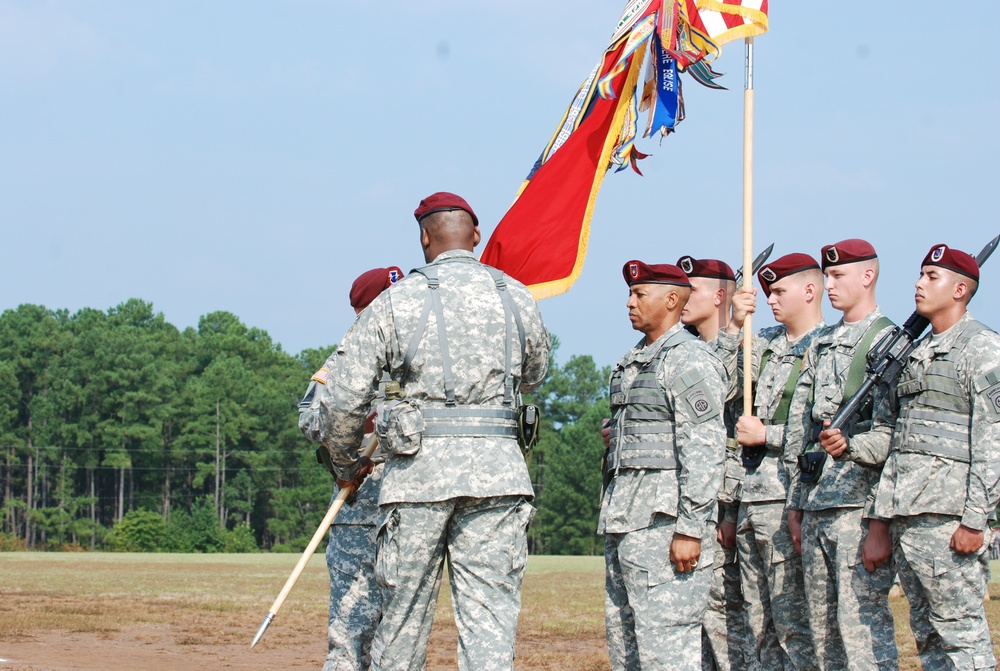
(139, 531)
(118, 431)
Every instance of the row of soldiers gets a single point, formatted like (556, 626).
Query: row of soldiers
(777, 552)
(782, 549)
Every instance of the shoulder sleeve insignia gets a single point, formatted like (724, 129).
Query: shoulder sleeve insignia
(321, 375)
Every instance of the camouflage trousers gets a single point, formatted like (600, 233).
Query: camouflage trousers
(772, 585)
(485, 542)
(652, 613)
(355, 598)
(726, 642)
(849, 615)
(945, 591)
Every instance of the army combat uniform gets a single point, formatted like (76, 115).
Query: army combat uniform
(355, 598)
(727, 641)
(943, 471)
(849, 615)
(771, 568)
(463, 342)
(663, 473)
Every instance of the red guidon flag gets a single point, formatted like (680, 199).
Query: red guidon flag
(542, 239)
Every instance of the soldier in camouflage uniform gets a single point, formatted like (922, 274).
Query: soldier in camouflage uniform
(355, 600)
(726, 640)
(662, 473)
(462, 340)
(940, 483)
(770, 565)
(831, 495)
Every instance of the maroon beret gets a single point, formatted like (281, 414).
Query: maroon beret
(847, 251)
(371, 283)
(789, 264)
(706, 268)
(442, 201)
(637, 272)
(952, 259)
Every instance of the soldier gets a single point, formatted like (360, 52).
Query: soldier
(770, 566)
(462, 340)
(830, 499)
(662, 473)
(939, 485)
(355, 600)
(725, 630)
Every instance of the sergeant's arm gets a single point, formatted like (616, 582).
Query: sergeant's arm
(696, 393)
(536, 344)
(983, 491)
(344, 401)
(798, 429)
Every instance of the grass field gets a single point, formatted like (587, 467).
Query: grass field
(114, 612)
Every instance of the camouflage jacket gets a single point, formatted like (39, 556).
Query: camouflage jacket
(726, 346)
(917, 481)
(362, 509)
(769, 481)
(851, 480)
(688, 372)
(444, 466)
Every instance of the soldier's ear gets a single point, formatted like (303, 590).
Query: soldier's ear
(477, 236)
(425, 239)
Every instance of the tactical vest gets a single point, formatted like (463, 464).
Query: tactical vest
(935, 414)
(642, 429)
(452, 418)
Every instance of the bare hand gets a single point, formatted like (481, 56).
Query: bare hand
(744, 303)
(727, 534)
(795, 528)
(877, 548)
(685, 552)
(370, 421)
(965, 540)
(750, 431)
(832, 440)
(606, 432)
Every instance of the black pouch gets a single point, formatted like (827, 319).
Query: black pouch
(529, 423)
(810, 466)
(753, 455)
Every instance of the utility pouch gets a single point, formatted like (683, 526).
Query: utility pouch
(810, 466)
(753, 455)
(323, 457)
(529, 423)
(400, 425)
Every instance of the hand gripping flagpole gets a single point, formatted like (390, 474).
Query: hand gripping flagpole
(748, 223)
(368, 447)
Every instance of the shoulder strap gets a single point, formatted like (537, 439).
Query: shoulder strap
(510, 309)
(859, 364)
(780, 415)
(433, 302)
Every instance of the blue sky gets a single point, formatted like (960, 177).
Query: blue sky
(256, 156)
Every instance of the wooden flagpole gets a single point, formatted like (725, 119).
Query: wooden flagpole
(748, 223)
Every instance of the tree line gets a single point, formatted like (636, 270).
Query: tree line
(119, 431)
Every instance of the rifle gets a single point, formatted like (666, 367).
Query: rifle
(885, 362)
(757, 263)
(887, 358)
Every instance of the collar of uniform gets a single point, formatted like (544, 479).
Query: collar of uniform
(453, 254)
(851, 334)
(649, 351)
(946, 340)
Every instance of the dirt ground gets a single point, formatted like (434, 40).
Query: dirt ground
(165, 649)
(95, 612)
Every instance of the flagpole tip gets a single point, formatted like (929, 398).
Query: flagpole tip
(263, 627)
